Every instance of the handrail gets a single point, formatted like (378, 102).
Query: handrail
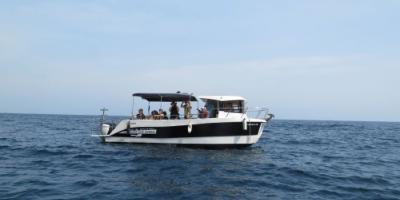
(260, 112)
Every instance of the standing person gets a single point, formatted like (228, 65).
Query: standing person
(187, 109)
(174, 111)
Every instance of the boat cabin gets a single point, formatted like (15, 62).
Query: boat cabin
(223, 106)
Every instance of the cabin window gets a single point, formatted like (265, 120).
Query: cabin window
(231, 106)
(236, 107)
(212, 109)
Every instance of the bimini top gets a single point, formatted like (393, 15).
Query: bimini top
(168, 97)
(222, 98)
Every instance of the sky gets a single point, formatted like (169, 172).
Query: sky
(303, 59)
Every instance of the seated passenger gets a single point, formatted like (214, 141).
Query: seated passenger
(203, 112)
(140, 115)
(163, 114)
(154, 115)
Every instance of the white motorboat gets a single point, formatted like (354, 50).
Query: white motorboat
(224, 123)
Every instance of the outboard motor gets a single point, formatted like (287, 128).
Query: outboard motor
(105, 128)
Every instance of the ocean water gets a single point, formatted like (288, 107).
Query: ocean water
(54, 157)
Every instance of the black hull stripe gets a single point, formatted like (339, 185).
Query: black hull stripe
(199, 130)
(214, 146)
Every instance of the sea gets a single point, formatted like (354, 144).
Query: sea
(55, 157)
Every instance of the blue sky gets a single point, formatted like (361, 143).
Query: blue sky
(308, 59)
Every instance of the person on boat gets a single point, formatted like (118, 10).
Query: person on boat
(174, 111)
(187, 109)
(141, 115)
(155, 115)
(163, 114)
(203, 112)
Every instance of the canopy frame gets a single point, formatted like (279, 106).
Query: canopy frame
(165, 97)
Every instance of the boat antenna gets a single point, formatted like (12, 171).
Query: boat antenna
(103, 115)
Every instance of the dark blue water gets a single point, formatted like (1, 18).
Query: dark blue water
(54, 157)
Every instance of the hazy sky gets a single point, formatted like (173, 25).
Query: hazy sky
(335, 59)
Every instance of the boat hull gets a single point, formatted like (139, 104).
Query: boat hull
(198, 132)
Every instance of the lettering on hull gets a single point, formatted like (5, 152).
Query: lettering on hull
(138, 132)
(253, 124)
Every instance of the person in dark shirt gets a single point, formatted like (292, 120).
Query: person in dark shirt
(165, 115)
(162, 113)
(141, 115)
(174, 111)
(154, 115)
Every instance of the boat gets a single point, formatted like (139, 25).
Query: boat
(222, 122)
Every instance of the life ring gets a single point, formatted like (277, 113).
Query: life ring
(190, 127)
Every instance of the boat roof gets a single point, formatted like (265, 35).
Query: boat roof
(222, 98)
(166, 97)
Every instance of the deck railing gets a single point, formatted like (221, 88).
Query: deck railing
(258, 112)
